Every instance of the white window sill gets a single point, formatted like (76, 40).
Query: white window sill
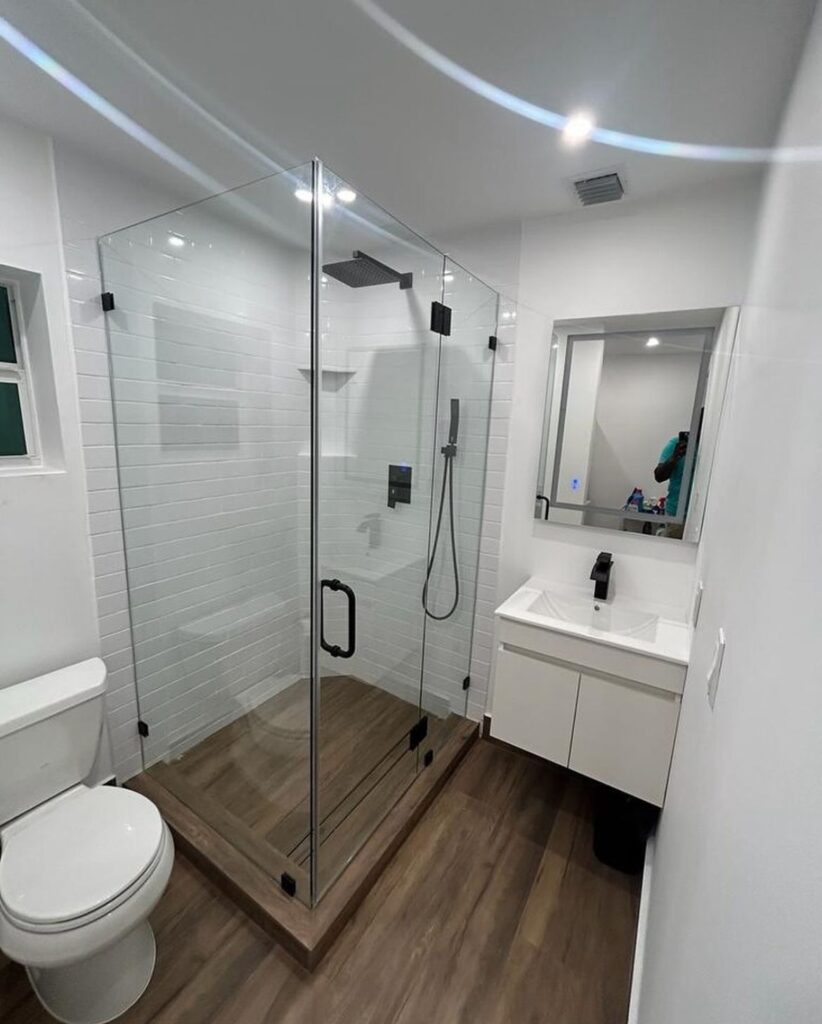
(31, 470)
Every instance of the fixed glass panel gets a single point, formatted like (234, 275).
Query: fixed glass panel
(7, 348)
(461, 445)
(378, 376)
(12, 432)
(209, 352)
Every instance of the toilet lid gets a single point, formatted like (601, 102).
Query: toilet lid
(75, 858)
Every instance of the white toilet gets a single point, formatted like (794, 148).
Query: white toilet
(81, 867)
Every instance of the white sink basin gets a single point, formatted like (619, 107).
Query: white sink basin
(619, 623)
(596, 615)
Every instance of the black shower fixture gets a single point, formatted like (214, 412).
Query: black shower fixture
(449, 451)
(363, 270)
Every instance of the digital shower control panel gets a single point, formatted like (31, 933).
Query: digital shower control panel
(399, 485)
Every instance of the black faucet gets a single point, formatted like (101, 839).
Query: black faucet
(601, 575)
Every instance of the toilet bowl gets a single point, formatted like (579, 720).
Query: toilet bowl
(80, 871)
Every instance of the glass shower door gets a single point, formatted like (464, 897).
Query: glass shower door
(378, 372)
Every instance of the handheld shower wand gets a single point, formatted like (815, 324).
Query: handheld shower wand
(449, 451)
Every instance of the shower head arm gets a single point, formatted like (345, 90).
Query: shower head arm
(404, 280)
(363, 271)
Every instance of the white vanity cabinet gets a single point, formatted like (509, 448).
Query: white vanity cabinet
(604, 704)
(624, 736)
(537, 705)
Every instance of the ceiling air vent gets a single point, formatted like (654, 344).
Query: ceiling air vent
(603, 188)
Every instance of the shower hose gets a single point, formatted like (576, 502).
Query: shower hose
(449, 451)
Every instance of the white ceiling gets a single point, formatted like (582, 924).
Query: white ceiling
(318, 76)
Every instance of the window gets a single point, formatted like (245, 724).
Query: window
(17, 440)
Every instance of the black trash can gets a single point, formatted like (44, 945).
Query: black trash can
(622, 825)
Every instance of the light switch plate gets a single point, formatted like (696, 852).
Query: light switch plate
(715, 670)
(700, 590)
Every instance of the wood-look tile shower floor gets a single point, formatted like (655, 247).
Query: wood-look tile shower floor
(250, 779)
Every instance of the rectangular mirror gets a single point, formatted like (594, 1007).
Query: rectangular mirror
(632, 411)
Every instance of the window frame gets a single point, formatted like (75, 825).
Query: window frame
(19, 373)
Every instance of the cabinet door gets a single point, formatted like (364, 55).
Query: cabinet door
(534, 704)
(624, 736)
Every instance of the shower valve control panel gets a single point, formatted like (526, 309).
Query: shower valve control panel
(399, 485)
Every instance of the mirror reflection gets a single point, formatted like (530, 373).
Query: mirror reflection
(632, 408)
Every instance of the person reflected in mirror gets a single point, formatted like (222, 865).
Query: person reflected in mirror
(671, 466)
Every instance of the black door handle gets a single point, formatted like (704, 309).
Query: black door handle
(334, 649)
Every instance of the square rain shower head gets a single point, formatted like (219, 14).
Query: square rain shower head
(363, 270)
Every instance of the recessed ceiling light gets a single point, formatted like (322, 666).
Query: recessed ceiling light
(578, 128)
(652, 343)
(346, 195)
(448, 278)
(327, 200)
(176, 241)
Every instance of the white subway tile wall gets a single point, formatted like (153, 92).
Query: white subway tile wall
(211, 415)
(91, 359)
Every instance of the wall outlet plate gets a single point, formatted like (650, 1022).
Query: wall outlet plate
(715, 670)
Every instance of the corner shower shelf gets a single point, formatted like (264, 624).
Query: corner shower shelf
(333, 371)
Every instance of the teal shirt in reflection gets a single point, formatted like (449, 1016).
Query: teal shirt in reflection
(675, 479)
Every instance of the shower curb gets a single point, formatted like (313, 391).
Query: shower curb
(306, 933)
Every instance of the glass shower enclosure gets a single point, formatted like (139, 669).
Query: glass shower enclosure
(301, 389)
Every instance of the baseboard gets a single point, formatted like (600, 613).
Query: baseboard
(641, 932)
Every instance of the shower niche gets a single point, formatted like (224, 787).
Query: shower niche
(301, 644)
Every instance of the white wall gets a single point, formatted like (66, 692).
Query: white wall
(735, 931)
(47, 612)
(688, 253)
(643, 403)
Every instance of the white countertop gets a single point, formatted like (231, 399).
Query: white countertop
(628, 624)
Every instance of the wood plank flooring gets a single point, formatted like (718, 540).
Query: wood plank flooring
(249, 780)
(494, 911)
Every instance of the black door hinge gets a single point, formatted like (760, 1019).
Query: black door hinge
(440, 319)
(288, 884)
(492, 343)
(142, 727)
(466, 682)
(107, 301)
(428, 760)
(418, 733)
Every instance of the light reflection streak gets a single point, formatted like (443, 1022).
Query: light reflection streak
(552, 119)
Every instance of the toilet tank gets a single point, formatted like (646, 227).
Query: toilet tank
(49, 732)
